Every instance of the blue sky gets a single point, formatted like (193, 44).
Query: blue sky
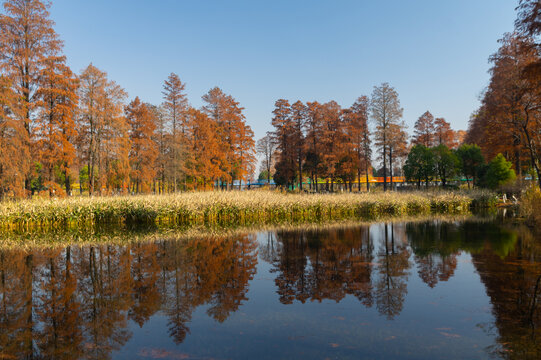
(434, 52)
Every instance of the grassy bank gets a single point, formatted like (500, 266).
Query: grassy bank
(530, 206)
(231, 208)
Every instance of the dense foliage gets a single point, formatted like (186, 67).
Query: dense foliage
(58, 129)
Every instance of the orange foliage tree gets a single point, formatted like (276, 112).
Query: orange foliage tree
(143, 150)
(359, 137)
(206, 158)
(444, 134)
(14, 150)
(175, 108)
(424, 130)
(27, 40)
(237, 138)
(509, 120)
(55, 132)
(103, 143)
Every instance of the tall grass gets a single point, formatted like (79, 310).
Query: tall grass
(530, 206)
(229, 208)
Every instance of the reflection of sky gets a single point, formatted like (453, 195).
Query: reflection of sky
(441, 322)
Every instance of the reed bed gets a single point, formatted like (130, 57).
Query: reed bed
(230, 208)
(530, 206)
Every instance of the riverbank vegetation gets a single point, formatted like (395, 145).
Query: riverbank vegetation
(231, 208)
(530, 206)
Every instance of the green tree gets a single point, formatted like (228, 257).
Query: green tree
(471, 159)
(499, 172)
(420, 165)
(447, 163)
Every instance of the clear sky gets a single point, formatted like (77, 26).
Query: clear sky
(434, 52)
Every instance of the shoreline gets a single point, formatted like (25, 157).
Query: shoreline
(232, 209)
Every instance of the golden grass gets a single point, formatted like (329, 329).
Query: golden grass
(228, 208)
(530, 206)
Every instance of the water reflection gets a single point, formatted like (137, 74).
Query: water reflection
(79, 302)
(76, 302)
(513, 284)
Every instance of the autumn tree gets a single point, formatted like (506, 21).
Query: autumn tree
(359, 135)
(460, 137)
(27, 40)
(205, 148)
(161, 138)
(175, 105)
(14, 149)
(54, 132)
(508, 120)
(349, 163)
(332, 141)
(103, 140)
(314, 133)
(444, 135)
(283, 128)
(385, 111)
(143, 151)
(238, 145)
(298, 118)
(424, 130)
(529, 16)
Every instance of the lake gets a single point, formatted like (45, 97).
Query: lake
(438, 289)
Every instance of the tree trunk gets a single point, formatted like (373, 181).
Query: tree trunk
(391, 166)
(367, 177)
(533, 154)
(67, 182)
(384, 167)
(300, 173)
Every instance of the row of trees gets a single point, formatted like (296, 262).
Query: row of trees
(319, 140)
(440, 162)
(56, 126)
(325, 141)
(509, 118)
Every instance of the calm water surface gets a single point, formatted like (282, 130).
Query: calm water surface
(425, 290)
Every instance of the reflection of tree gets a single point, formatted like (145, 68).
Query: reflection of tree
(76, 302)
(145, 272)
(322, 264)
(291, 267)
(106, 290)
(513, 284)
(391, 285)
(60, 336)
(207, 271)
(436, 245)
(434, 268)
(16, 320)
